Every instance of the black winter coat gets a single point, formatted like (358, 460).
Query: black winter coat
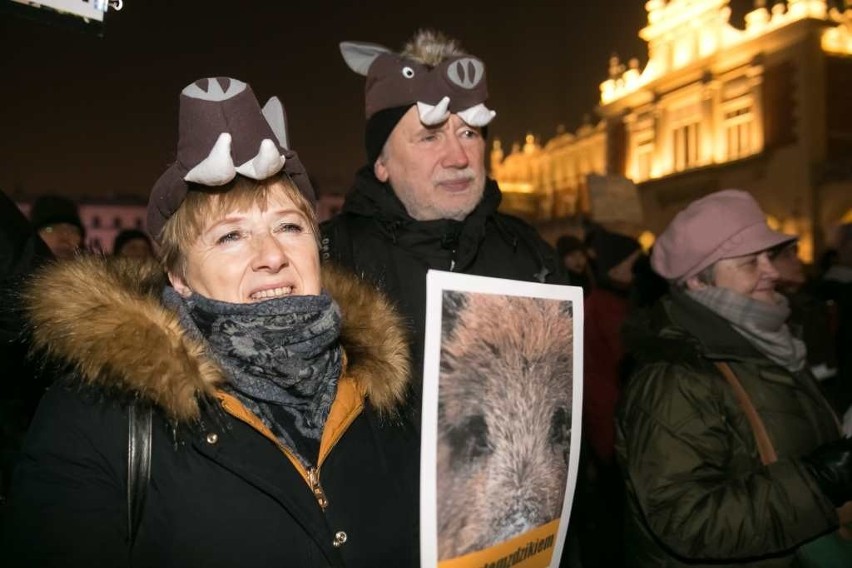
(377, 239)
(222, 491)
(21, 252)
(697, 492)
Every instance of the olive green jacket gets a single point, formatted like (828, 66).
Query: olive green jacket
(697, 492)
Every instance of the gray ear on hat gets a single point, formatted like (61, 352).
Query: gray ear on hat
(359, 55)
(273, 112)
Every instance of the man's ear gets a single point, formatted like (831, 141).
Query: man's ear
(693, 283)
(180, 285)
(380, 169)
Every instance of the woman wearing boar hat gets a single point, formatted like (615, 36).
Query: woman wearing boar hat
(239, 407)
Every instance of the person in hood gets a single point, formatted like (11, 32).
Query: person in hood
(423, 200)
(730, 453)
(272, 387)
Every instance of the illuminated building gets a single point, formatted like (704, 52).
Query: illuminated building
(765, 108)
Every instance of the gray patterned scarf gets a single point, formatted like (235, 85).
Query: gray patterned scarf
(762, 324)
(282, 358)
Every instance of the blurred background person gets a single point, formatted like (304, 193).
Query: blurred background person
(810, 317)
(572, 252)
(57, 221)
(606, 308)
(133, 243)
(835, 287)
(21, 252)
(712, 477)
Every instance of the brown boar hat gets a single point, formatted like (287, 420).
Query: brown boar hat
(394, 83)
(223, 132)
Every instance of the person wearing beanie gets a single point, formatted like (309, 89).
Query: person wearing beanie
(730, 454)
(606, 308)
(58, 223)
(423, 200)
(133, 243)
(575, 259)
(236, 405)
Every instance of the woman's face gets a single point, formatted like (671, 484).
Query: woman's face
(752, 275)
(253, 255)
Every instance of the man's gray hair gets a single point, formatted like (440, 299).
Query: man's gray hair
(431, 47)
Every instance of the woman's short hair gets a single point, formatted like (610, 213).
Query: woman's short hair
(706, 275)
(203, 203)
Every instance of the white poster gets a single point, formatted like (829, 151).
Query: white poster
(502, 401)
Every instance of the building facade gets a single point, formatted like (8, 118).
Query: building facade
(764, 108)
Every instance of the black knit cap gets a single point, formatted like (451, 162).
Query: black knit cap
(567, 244)
(610, 249)
(52, 210)
(128, 235)
(379, 128)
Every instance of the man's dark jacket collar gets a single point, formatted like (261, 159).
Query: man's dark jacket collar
(438, 240)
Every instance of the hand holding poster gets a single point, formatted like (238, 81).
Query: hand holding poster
(501, 417)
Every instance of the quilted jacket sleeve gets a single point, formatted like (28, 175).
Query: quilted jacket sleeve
(701, 489)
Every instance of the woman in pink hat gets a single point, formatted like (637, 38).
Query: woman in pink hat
(731, 455)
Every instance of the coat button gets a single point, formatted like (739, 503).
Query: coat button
(339, 539)
(212, 438)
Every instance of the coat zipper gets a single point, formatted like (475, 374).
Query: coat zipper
(316, 487)
(313, 473)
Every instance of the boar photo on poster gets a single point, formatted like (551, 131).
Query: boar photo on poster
(504, 411)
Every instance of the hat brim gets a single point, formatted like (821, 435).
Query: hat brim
(751, 240)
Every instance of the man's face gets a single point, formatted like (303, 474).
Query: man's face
(438, 172)
(752, 275)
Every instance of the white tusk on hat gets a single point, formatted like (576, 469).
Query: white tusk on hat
(267, 162)
(217, 168)
(477, 115)
(432, 115)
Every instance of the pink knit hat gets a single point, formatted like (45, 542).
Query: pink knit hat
(724, 224)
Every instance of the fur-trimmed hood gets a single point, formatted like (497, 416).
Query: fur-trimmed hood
(104, 317)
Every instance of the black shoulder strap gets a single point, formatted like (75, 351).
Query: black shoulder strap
(138, 465)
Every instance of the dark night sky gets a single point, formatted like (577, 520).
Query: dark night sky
(83, 115)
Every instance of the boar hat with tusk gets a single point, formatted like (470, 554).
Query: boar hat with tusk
(223, 133)
(431, 73)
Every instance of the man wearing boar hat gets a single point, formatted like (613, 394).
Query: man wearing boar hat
(423, 200)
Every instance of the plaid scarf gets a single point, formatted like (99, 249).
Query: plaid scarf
(281, 356)
(762, 324)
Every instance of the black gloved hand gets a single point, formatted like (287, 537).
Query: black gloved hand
(831, 466)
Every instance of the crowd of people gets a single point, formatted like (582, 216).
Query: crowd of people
(253, 397)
